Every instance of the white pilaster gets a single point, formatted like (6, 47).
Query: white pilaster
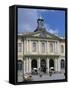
(29, 65)
(56, 64)
(47, 47)
(39, 47)
(59, 65)
(27, 47)
(55, 48)
(38, 62)
(25, 44)
(58, 47)
(24, 66)
(30, 46)
(47, 61)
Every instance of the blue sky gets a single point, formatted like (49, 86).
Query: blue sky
(54, 20)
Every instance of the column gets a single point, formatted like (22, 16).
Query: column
(47, 61)
(55, 47)
(26, 65)
(58, 47)
(27, 47)
(30, 46)
(39, 62)
(56, 64)
(47, 47)
(29, 65)
(59, 65)
(39, 47)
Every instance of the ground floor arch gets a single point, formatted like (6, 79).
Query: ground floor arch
(44, 64)
(34, 63)
(19, 64)
(62, 63)
(51, 63)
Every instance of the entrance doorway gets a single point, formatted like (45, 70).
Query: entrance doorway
(43, 65)
(34, 63)
(19, 65)
(34, 66)
(51, 64)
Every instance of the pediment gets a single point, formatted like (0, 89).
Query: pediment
(41, 34)
(45, 35)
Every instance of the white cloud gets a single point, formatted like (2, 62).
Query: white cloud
(54, 31)
(27, 20)
(49, 29)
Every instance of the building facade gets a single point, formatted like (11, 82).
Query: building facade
(40, 50)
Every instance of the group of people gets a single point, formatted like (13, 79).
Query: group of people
(40, 73)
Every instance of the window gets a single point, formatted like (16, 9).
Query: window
(19, 66)
(62, 49)
(62, 64)
(51, 47)
(19, 47)
(43, 47)
(34, 46)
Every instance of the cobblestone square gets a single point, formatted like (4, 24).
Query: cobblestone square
(55, 76)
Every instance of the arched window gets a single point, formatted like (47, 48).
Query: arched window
(62, 49)
(51, 47)
(62, 64)
(34, 46)
(43, 47)
(19, 65)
